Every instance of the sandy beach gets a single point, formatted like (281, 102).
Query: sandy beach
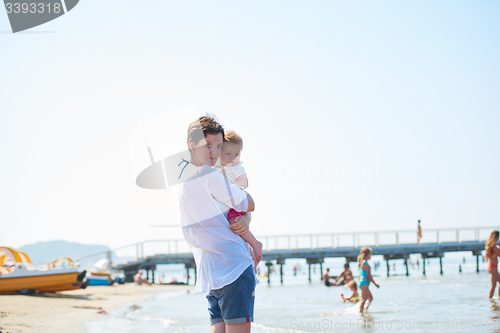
(66, 311)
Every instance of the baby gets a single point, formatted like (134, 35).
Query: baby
(230, 167)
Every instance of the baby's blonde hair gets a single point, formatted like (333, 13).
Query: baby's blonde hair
(233, 137)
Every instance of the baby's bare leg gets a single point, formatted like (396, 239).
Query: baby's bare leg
(254, 243)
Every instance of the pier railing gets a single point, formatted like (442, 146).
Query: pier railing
(310, 241)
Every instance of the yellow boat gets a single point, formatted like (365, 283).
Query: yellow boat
(22, 276)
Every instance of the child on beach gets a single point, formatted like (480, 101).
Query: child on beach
(491, 252)
(365, 277)
(230, 166)
(354, 288)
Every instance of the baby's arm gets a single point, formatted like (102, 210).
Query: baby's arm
(242, 181)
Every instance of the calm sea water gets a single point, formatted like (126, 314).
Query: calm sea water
(454, 302)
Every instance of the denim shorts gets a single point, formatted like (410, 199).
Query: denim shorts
(233, 304)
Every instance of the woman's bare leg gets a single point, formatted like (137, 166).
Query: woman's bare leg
(369, 300)
(495, 277)
(364, 296)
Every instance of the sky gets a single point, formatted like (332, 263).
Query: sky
(356, 115)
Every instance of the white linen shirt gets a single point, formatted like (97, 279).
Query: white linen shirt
(205, 198)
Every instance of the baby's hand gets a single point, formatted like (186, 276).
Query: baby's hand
(240, 225)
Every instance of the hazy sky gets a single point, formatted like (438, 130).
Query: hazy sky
(356, 115)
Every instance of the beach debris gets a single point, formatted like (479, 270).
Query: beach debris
(102, 311)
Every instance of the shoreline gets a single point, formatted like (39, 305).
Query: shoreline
(67, 311)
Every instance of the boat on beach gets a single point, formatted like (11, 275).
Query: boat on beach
(18, 274)
(102, 274)
(100, 279)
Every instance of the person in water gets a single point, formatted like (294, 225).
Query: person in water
(365, 277)
(354, 288)
(491, 252)
(327, 278)
(345, 277)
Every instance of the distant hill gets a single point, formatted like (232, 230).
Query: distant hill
(46, 252)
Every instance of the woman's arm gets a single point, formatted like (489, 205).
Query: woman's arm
(367, 269)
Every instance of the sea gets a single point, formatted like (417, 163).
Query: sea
(456, 301)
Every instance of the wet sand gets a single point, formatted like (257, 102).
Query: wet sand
(67, 310)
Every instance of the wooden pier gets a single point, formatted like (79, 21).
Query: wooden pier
(313, 248)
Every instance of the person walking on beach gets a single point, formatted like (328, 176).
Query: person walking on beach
(491, 252)
(365, 277)
(419, 232)
(223, 262)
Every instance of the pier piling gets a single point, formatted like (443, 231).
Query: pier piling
(477, 253)
(311, 261)
(188, 267)
(269, 264)
(281, 262)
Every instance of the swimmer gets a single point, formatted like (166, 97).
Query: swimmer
(327, 277)
(365, 277)
(492, 251)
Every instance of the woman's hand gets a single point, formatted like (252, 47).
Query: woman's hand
(241, 224)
